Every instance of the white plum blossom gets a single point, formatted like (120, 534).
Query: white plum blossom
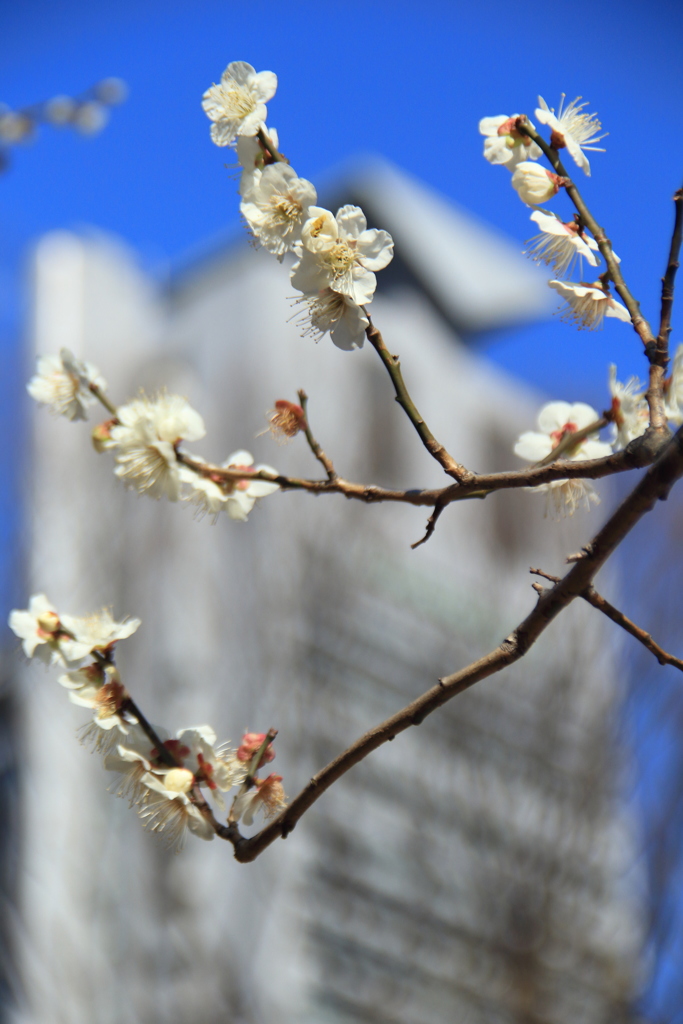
(67, 638)
(673, 390)
(202, 491)
(39, 629)
(132, 759)
(170, 813)
(341, 253)
(97, 632)
(330, 311)
(104, 693)
(559, 245)
(267, 795)
(253, 158)
(630, 412)
(237, 105)
(242, 495)
(63, 382)
(212, 493)
(588, 304)
(534, 184)
(195, 751)
(504, 143)
(556, 421)
(147, 435)
(573, 129)
(276, 206)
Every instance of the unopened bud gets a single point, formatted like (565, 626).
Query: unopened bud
(251, 742)
(179, 780)
(534, 184)
(48, 622)
(90, 117)
(60, 110)
(15, 127)
(101, 435)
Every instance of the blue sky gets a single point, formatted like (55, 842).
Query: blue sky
(406, 80)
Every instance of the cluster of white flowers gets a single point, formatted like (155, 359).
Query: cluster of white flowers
(571, 129)
(559, 244)
(164, 785)
(337, 256)
(145, 436)
(629, 417)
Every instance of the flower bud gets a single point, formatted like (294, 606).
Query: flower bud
(251, 742)
(179, 780)
(101, 435)
(534, 184)
(49, 622)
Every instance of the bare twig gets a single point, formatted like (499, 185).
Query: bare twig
(591, 595)
(320, 455)
(393, 366)
(100, 395)
(669, 279)
(655, 485)
(431, 523)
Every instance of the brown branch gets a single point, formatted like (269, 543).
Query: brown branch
(162, 751)
(320, 455)
(655, 485)
(393, 367)
(668, 281)
(595, 599)
(639, 454)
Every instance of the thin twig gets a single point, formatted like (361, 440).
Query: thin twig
(591, 595)
(655, 485)
(158, 745)
(100, 395)
(393, 366)
(431, 524)
(320, 455)
(669, 279)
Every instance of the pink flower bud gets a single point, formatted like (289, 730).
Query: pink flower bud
(251, 741)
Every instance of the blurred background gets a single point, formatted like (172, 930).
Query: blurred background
(521, 858)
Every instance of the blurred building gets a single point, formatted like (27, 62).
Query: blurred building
(477, 869)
